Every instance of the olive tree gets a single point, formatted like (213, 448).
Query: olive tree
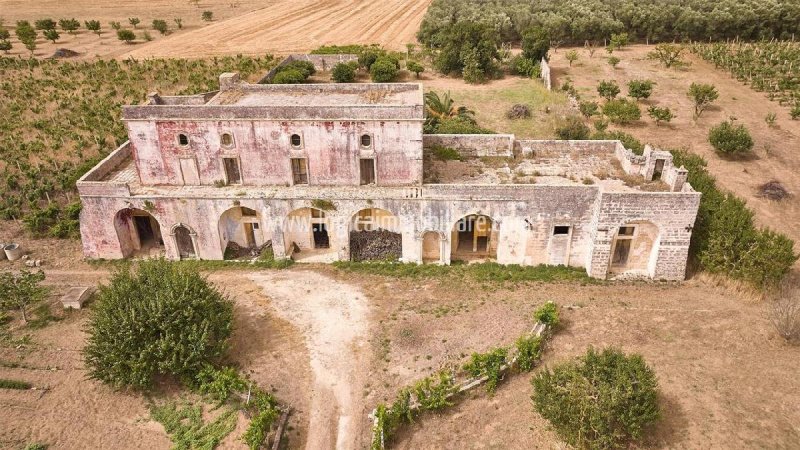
(93, 26)
(127, 36)
(703, 96)
(343, 73)
(20, 290)
(640, 89)
(730, 139)
(668, 54)
(608, 89)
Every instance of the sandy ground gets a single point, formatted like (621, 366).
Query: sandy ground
(333, 318)
(775, 147)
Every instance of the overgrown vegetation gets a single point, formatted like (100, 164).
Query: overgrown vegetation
(60, 118)
(6, 383)
(478, 272)
(488, 365)
(725, 239)
(730, 139)
(185, 426)
(604, 399)
(442, 116)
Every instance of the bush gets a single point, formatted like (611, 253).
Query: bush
(573, 128)
(159, 319)
(702, 95)
(383, 70)
(207, 16)
(305, 67)
(795, 112)
(415, 67)
(487, 365)
(529, 349)
(445, 153)
(127, 36)
(343, 73)
(535, 44)
(289, 76)
(613, 61)
(660, 114)
(589, 109)
(547, 314)
(160, 26)
(14, 384)
(460, 125)
(784, 311)
(622, 111)
(730, 139)
(630, 142)
(608, 89)
(640, 89)
(602, 400)
(522, 66)
(432, 392)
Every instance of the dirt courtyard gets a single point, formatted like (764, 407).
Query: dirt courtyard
(332, 344)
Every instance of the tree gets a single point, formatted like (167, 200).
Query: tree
(617, 41)
(155, 320)
(45, 24)
(343, 73)
(622, 111)
(415, 67)
(573, 128)
(468, 40)
(613, 61)
(572, 56)
(383, 70)
(178, 22)
(207, 16)
(161, 26)
(21, 290)
(27, 35)
(520, 65)
(93, 26)
(444, 107)
(730, 139)
(69, 25)
(660, 114)
(604, 399)
(51, 35)
(640, 89)
(472, 72)
(127, 36)
(134, 21)
(668, 54)
(589, 109)
(115, 25)
(535, 44)
(608, 89)
(702, 95)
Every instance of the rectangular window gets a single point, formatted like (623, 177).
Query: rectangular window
(367, 169)
(560, 230)
(299, 171)
(626, 231)
(232, 172)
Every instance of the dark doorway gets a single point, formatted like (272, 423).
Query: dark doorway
(320, 235)
(232, 172)
(184, 241)
(621, 251)
(658, 170)
(144, 228)
(469, 237)
(367, 168)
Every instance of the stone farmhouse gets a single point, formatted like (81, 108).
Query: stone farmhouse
(327, 172)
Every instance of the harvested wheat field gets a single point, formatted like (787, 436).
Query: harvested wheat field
(286, 26)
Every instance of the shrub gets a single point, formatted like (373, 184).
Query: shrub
(460, 125)
(159, 319)
(784, 311)
(343, 73)
(608, 89)
(432, 392)
(640, 89)
(572, 56)
(473, 72)
(702, 95)
(622, 111)
(547, 314)
(69, 25)
(445, 153)
(134, 21)
(18, 291)
(383, 70)
(5, 45)
(160, 25)
(93, 26)
(45, 24)
(613, 61)
(602, 400)
(51, 35)
(572, 128)
(487, 365)
(522, 66)
(660, 114)
(305, 67)
(207, 16)
(535, 44)
(115, 25)
(14, 384)
(589, 109)
(617, 41)
(795, 112)
(668, 54)
(126, 35)
(464, 40)
(415, 67)
(730, 139)
(529, 349)
(289, 76)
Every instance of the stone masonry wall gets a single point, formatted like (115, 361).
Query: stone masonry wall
(473, 145)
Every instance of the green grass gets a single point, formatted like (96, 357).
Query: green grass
(14, 384)
(532, 93)
(477, 272)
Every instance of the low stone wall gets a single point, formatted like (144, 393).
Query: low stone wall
(322, 63)
(545, 75)
(473, 145)
(549, 148)
(107, 165)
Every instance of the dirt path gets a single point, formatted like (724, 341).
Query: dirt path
(334, 319)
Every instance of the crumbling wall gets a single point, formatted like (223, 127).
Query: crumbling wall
(376, 245)
(322, 63)
(473, 145)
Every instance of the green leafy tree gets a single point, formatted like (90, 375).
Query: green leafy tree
(161, 26)
(69, 25)
(25, 32)
(18, 291)
(45, 24)
(602, 400)
(134, 21)
(660, 114)
(622, 111)
(207, 16)
(343, 73)
(613, 61)
(383, 70)
(520, 65)
(93, 26)
(670, 55)
(608, 89)
(572, 56)
(730, 139)
(703, 96)
(640, 89)
(157, 319)
(126, 36)
(51, 35)
(617, 41)
(464, 40)
(573, 128)
(589, 109)
(473, 72)
(415, 67)
(535, 44)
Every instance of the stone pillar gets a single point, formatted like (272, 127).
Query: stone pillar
(678, 179)
(228, 81)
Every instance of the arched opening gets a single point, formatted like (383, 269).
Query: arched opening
(632, 249)
(474, 237)
(139, 233)
(184, 242)
(240, 232)
(308, 236)
(375, 235)
(431, 247)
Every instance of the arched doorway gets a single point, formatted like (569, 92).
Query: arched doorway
(473, 238)
(308, 236)
(139, 233)
(240, 232)
(184, 242)
(375, 235)
(633, 248)
(431, 247)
